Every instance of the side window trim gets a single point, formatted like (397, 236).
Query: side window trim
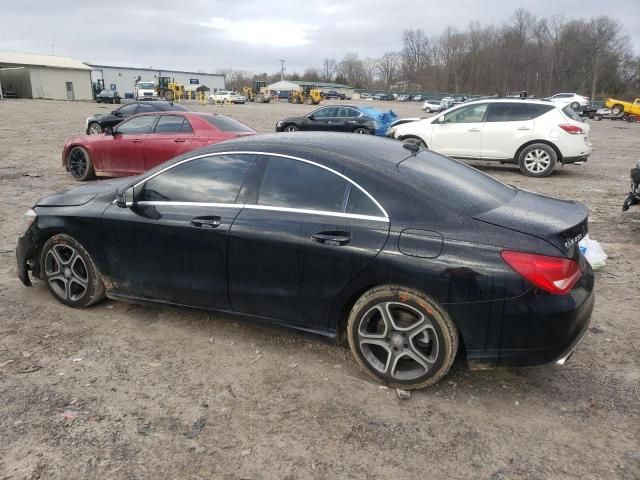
(384, 217)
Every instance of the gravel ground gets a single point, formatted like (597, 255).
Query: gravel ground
(123, 391)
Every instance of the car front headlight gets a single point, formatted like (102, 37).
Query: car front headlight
(29, 217)
(279, 124)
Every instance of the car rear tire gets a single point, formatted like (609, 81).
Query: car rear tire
(80, 164)
(537, 160)
(168, 95)
(290, 128)
(427, 110)
(69, 272)
(575, 105)
(361, 131)
(95, 128)
(597, 117)
(402, 337)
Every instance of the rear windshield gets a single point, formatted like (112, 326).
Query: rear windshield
(572, 114)
(226, 124)
(457, 186)
(171, 107)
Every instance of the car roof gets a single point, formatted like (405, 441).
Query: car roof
(509, 100)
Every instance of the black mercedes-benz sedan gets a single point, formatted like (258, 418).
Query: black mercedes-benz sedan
(96, 124)
(409, 256)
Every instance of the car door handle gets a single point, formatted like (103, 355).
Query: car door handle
(336, 239)
(136, 140)
(179, 140)
(524, 128)
(206, 222)
(474, 129)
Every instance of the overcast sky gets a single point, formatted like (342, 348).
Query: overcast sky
(205, 35)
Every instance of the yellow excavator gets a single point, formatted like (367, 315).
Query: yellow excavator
(169, 89)
(259, 93)
(308, 95)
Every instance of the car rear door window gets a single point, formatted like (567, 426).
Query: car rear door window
(170, 124)
(213, 179)
(295, 184)
(514, 112)
(359, 203)
(137, 125)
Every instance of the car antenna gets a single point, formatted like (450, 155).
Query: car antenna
(413, 147)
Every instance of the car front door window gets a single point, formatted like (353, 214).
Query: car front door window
(470, 114)
(137, 126)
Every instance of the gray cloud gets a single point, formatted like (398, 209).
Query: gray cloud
(204, 35)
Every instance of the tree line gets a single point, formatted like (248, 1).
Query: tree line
(539, 55)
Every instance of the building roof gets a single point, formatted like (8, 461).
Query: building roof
(97, 67)
(321, 84)
(54, 61)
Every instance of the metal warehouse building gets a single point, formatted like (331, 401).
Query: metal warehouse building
(123, 79)
(45, 76)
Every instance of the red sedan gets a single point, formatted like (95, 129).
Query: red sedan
(146, 140)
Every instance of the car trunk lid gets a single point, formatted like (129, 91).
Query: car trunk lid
(559, 222)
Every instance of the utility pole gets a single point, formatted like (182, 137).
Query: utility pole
(281, 69)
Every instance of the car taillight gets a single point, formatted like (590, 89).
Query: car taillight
(552, 274)
(572, 129)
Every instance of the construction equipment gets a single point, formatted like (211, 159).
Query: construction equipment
(259, 93)
(169, 89)
(308, 95)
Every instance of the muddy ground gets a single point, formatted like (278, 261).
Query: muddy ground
(165, 393)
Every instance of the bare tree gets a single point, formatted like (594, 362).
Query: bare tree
(329, 69)
(389, 67)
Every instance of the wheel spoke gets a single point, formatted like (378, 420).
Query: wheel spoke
(372, 359)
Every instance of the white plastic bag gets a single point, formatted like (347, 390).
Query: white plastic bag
(593, 252)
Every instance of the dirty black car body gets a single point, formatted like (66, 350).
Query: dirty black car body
(332, 118)
(304, 225)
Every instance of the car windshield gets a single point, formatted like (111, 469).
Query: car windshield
(226, 124)
(106, 93)
(146, 85)
(572, 114)
(459, 187)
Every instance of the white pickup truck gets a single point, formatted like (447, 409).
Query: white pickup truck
(146, 91)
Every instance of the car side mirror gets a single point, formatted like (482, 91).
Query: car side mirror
(441, 119)
(126, 198)
(311, 117)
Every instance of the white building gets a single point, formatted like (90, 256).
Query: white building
(123, 79)
(45, 76)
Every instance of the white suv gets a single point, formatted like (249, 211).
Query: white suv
(535, 134)
(576, 101)
(226, 96)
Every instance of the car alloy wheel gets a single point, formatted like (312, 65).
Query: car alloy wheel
(69, 272)
(402, 337)
(537, 161)
(361, 131)
(95, 129)
(66, 272)
(290, 128)
(575, 105)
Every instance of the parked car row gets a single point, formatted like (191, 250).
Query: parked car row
(400, 251)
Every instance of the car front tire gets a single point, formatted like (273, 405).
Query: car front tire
(402, 337)
(290, 128)
(537, 160)
(95, 128)
(80, 164)
(69, 272)
(361, 131)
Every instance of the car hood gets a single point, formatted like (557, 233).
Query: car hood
(104, 116)
(83, 194)
(560, 222)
